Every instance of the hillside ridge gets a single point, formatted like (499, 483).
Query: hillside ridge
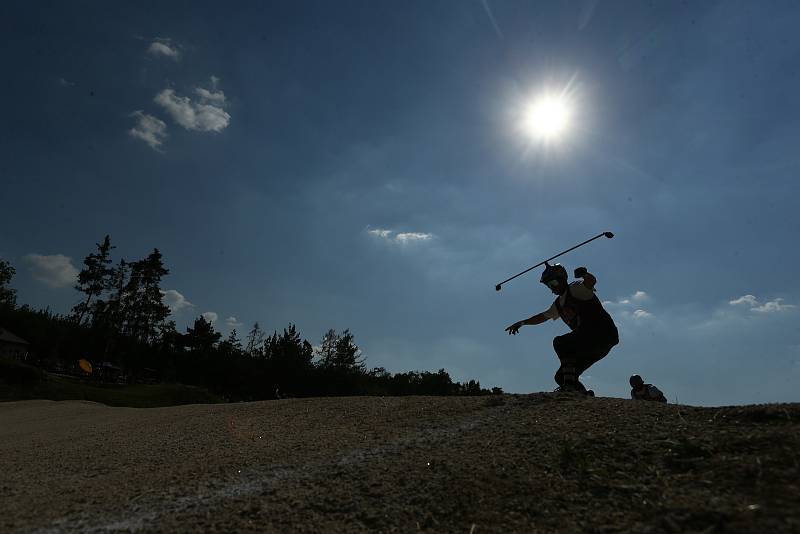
(542, 462)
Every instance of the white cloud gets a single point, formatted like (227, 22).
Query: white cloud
(771, 306)
(402, 237)
(55, 270)
(175, 300)
(637, 297)
(628, 308)
(206, 115)
(210, 316)
(65, 83)
(412, 236)
(233, 322)
(380, 233)
(750, 300)
(214, 97)
(165, 48)
(149, 129)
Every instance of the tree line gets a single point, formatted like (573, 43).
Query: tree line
(121, 318)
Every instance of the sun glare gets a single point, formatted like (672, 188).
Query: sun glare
(546, 118)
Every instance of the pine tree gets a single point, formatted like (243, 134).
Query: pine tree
(231, 346)
(289, 349)
(348, 355)
(168, 336)
(8, 296)
(142, 305)
(255, 342)
(339, 352)
(93, 279)
(233, 340)
(327, 349)
(113, 314)
(203, 337)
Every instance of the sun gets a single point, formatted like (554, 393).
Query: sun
(546, 118)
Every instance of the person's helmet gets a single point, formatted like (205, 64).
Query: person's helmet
(553, 272)
(636, 381)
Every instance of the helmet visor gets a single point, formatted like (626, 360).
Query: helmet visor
(554, 283)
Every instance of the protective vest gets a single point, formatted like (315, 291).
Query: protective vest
(648, 392)
(587, 316)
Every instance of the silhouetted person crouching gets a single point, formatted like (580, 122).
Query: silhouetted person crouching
(593, 332)
(642, 391)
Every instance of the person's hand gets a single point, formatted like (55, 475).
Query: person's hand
(514, 328)
(580, 272)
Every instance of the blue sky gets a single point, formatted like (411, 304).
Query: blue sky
(360, 165)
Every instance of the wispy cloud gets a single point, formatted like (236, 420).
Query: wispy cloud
(215, 97)
(55, 270)
(771, 306)
(233, 322)
(206, 114)
(749, 300)
(637, 297)
(65, 83)
(379, 232)
(492, 19)
(630, 307)
(408, 237)
(210, 316)
(175, 300)
(164, 48)
(401, 237)
(149, 129)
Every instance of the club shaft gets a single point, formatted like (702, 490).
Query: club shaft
(552, 258)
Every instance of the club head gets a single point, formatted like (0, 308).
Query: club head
(608, 234)
(497, 287)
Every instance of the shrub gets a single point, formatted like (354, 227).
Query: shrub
(18, 373)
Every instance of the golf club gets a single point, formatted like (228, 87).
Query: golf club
(607, 234)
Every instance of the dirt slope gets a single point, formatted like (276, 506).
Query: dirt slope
(538, 463)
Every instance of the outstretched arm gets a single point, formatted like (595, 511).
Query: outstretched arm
(539, 318)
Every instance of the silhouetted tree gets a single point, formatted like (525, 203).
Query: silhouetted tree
(255, 342)
(202, 337)
(94, 278)
(110, 320)
(339, 352)
(169, 339)
(289, 361)
(348, 355)
(471, 388)
(231, 345)
(8, 296)
(327, 349)
(128, 315)
(142, 305)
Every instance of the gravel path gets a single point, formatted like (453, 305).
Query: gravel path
(536, 463)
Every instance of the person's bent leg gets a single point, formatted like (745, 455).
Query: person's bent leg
(591, 353)
(566, 350)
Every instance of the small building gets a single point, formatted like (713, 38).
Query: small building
(11, 345)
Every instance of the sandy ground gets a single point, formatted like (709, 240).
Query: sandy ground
(538, 463)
